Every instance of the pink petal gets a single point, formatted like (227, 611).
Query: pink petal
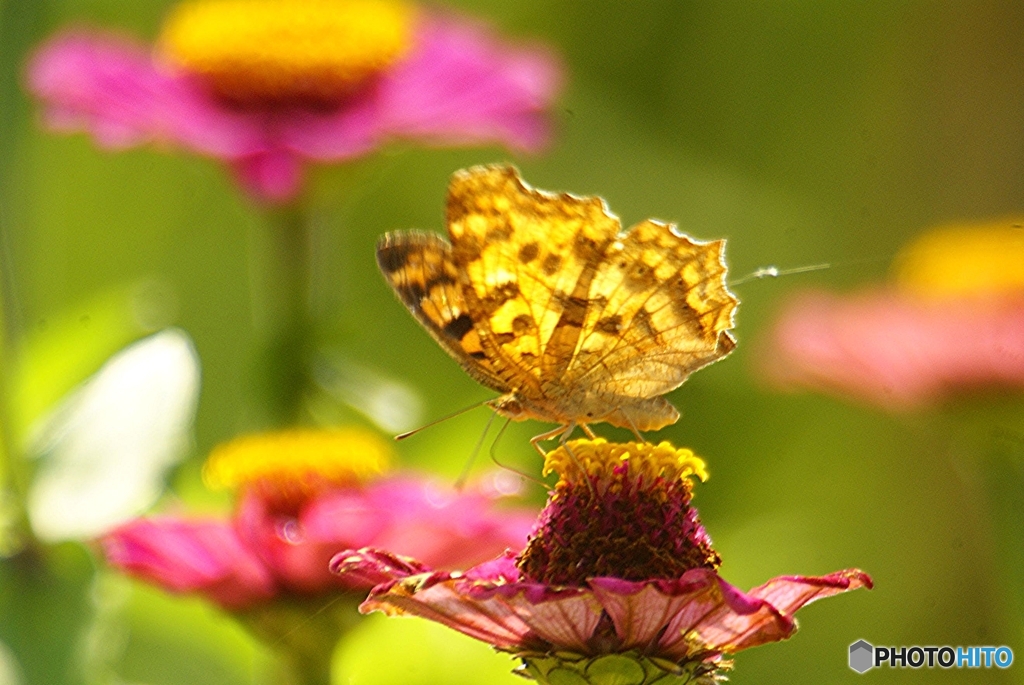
(415, 517)
(567, 618)
(641, 610)
(440, 597)
(701, 613)
(789, 593)
(190, 556)
(462, 85)
(110, 86)
(727, 620)
(272, 176)
(369, 567)
(481, 603)
(896, 351)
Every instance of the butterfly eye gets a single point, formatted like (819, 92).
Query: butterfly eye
(507, 405)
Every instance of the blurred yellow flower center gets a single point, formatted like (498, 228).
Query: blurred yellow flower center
(607, 461)
(962, 261)
(271, 52)
(297, 463)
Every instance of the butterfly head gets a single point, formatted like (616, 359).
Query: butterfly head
(510, 405)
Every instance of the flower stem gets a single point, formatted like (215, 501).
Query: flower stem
(304, 631)
(282, 285)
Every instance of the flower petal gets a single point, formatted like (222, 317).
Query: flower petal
(371, 567)
(191, 556)
(461, 85)
(789, 593)
(700, 612)
(641, 610)
(565, 617)
(110, 86)
(411, 515)
(896, 351)
(481, 603)
(273, 175)
(442, 598)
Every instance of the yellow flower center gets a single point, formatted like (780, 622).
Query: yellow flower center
(272, 52)
(606, 462)
(959, 261)
(292, 465)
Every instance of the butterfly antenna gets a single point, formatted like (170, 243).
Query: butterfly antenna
(505, 467)
(414, 431)
(775, 272)
(460, 482)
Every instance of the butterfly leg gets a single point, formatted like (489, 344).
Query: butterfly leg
(637, 433)
(560, 431)
(586, 429)
(563, 441)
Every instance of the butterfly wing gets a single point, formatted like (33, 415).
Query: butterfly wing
(420, 269)
(526, 259)
(659, 311)
(539, 294)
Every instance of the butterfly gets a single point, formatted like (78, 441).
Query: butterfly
(543, 298)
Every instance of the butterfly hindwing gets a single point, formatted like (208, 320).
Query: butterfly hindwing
(660, 310)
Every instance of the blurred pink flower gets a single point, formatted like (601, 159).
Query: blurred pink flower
(200, 555)
(952, 320)
(449, 82)
(619, 564)
(282, 544)
(897, 352)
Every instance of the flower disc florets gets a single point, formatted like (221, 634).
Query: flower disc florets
(286, 52)
(287, 468)
(618, 510)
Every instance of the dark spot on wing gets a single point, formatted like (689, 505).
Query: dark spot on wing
(528, 252)
(500, 295)
(551, 264)
(640, 274)
(411, 291)
(610, 324)
(682, 309)
(642, 319)
(458, 327)
(523, 323)
(585, 248)
(574, 310)
(392, 256)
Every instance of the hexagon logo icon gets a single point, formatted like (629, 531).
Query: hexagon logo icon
(862, 656)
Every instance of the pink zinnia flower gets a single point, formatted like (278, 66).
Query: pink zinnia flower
(619, 577)
(304, 496)
(954, 320)
(268, 85)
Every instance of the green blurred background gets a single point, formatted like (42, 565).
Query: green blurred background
(803, 131)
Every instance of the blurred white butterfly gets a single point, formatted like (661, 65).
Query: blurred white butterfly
(108, 446)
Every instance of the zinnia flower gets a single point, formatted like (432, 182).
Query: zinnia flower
(267, 85)
(618, 582)
(953, 319)
(303, 496)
